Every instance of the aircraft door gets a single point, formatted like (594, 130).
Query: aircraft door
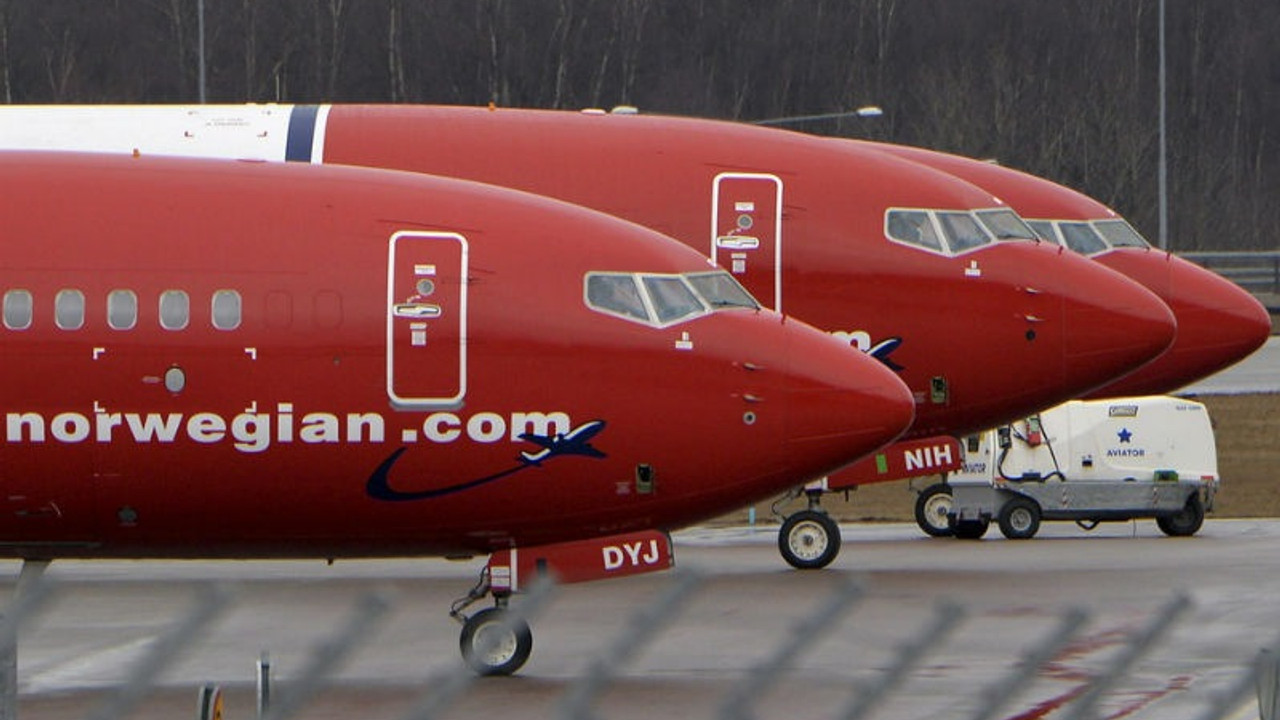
(427, 320)
(746, 232)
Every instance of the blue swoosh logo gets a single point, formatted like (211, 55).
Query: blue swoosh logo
(574, 442)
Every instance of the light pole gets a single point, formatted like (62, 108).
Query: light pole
(200, 25)
(1163, 169)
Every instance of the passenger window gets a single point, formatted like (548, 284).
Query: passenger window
(68, 308)
(122, 309)
(913, 227)
(175, 309)
(1044, 229)
(226, 310)
(616, 294)
(1082, 238)
(720, 290)
(1120, 234)
(672, 299)
(1005, 225)
(962, 231)
(18, 308)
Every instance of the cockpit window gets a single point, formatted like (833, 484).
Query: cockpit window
(720, 290)
(913, 227)
(1082, 238)
(1044, 229)
(661, 300)
(672, 298)
(1005, 225)
(616, 294)
(1120, 234)
(962, 231)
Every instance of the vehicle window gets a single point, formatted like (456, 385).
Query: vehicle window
(175, 309)
(672, 298)
(1005, 225)
(1120, 234)
(122, 309)
(962, 231)
(720, 290)
(226, 309)
(913, 227)
(18, 309)
(617, 294)
(68, 308)
(1044, 229)
(1082, 238)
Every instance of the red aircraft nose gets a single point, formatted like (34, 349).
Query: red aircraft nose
(1114, 325)
(842, 404)
(1219, 323)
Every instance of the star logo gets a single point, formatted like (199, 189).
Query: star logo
(1124, 435)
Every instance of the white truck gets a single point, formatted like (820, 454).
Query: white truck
(1087, 461)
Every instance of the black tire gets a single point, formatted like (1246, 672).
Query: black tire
(932, 507)
(1187, 521)
(1020, 519)
(809, 540)
(969, 529)
(495, 642)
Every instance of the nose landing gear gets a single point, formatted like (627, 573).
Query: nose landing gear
(495, 640)
(809, 539)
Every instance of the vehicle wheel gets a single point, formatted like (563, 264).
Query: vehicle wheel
(1185, 522)
(809, 540)
(494, 642)
(932, 507)
(1020, 519)
(970, 529)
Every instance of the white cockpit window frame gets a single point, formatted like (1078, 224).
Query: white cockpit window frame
(1131, 238)
(691, 305)
(1086, 227)
(897, 233)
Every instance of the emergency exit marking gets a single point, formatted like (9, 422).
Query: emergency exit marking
(424, 269)
(744, 207)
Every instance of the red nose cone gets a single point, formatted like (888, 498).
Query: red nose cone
(843, 405)
(1219, 323)
(1113, 328)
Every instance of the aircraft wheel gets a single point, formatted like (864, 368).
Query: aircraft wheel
(1020, 519)
(496, 643)
(1187, 521)
(809, 540)
(970, 529)
(932, 507)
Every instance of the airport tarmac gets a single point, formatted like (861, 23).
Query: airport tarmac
(1260, 372)
(107, 616)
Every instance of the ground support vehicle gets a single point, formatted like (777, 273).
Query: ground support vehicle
(1086, 461)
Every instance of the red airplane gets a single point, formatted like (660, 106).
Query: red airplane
(888, 255)
(1219, 323)
(897, 259)
(204, 358)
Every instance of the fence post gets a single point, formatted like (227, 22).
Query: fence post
(209, 704)
(264, 684)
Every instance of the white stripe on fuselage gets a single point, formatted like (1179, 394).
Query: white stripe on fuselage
(238, 132)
